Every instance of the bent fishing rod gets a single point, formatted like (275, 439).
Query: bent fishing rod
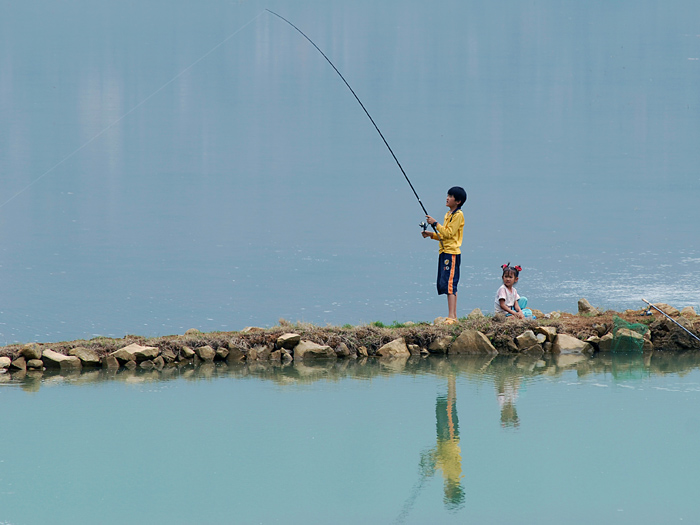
(366, 113)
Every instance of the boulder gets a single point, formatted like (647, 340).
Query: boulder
(472, 342)
(234, 355)
(205, 353)
(110, 362)
(31, 351)
(288, 340)
(566, 344)
(476, 312)
(395, 348)
(159, 362)
(276, 355)
(19, 364)
(35, 364)
(306, 349)
(136, 352)
(605, 343)
(585, 308)
(87, 357)
(440, 345)
(192, 331)
(626, 339)
(342, 350)
(5, 362)
(688, 312)
(534, 350)
(526, 340)
(667, 309)
(168, 355)
(414, 349)
(186, 352)
(53, 359)
(362, 352)
(222, 353)
(548, 331)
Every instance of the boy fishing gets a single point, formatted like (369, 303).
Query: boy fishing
(449, 235)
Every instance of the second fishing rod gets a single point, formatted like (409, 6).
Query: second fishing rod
(423, 225)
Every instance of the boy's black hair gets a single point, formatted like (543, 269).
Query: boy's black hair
(459, 194)
(511, 269)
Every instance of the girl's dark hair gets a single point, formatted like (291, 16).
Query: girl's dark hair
(458, 193)
(507, 268)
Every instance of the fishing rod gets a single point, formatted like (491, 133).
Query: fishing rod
(422, 225)
(671, 319)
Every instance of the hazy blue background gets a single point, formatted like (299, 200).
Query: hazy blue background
(168, 165)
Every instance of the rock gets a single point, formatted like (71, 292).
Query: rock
(440, 345)
(186, 352)
(547, 347)
(362, 352)
(541, 338)
(286, 356)
(159, 362)
(35, 364)
(234, 355)
(135, 352)
(626, 339)
(53, 359)
(110, 362)
(222, 353)
(526, 340)
(306, 349)
(476, 312)
(249, 329)
(548, 331)
(395, 348)
(147, 365)
(87, 357)
(594, 340)
(472, 342)
(534, 351)
(31, 351)
(288, 341)
(130, 365)
(585, 308)
(566, 344)
(252, 354)
(5, 362)
(537, 313)
(192, 331)
(342, 350)
(601, 329)
(19, 364)
(414, 349)
(667, 309)
(276, 355)
(688, 312)
(605, 343)
(205, 353)
(168, 355)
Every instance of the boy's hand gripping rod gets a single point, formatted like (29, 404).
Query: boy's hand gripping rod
(366, 113)
(671, 319)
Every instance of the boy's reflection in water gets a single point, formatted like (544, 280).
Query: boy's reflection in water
(446, 455)
(507, 393)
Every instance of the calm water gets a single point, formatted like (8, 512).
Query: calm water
(175, 165)
(608, 440)
(171, 165)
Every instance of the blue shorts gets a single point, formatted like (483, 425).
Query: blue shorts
(448, 273)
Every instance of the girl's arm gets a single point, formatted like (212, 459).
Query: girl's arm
(516, 311)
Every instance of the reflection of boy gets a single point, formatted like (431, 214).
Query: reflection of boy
(447, 455)
(507, 396)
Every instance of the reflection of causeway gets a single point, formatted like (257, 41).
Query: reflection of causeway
(506, 371)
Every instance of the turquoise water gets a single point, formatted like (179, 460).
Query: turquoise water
(426, 440)
(175, 165)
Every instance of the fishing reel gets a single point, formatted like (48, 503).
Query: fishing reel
(424, 226)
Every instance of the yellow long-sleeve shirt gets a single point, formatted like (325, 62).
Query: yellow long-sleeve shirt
(451, 232)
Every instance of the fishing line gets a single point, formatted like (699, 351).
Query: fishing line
(361, 105)
(110, 126)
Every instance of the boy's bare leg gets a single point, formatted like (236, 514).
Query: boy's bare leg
(452, 305)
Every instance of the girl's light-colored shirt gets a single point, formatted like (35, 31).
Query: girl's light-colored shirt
(509, 295)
